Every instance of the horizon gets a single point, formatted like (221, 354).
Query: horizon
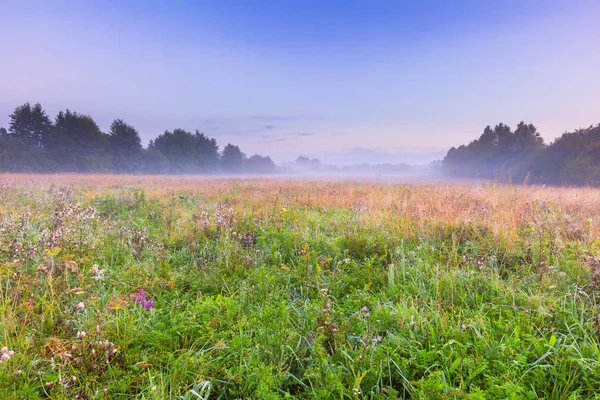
(345, 82)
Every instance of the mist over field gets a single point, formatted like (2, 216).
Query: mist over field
(484, 90)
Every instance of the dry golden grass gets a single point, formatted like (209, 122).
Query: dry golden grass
(500, 209)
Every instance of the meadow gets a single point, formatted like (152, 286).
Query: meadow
(125, 287)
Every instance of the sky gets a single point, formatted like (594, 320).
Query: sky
(345, 81)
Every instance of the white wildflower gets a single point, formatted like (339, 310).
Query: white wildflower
(98, 274)
(5, 354)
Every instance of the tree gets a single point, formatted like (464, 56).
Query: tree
(527, 138)
(125, 145)
(572, 159)
(580, 170)
(498, 151)
(73, 142)
(77, 144)
(31, 124)
(504, 142)
(259, 165)
(306, 162)
(207, 152)
(153, 162)
(18, 156)
(179, 147)
(232, 159)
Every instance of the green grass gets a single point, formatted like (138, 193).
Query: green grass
(283, 300)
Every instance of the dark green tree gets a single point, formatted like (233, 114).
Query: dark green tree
(17, 156)
(207, 152)
(498, 152)
(179, 147)
(125, 146)
(73, 142)
(504, 143)
(187, 152)
(572, 159)
(30, 124)
(77, 144)
(232, 159)
(527, 138)
(153, 162)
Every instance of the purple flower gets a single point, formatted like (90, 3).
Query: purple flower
(141, 297)
(143, 301)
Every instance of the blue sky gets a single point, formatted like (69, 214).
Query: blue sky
(346, 81)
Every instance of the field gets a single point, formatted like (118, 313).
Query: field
(127, 287)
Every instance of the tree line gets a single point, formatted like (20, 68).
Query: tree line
(74, 142)
(521, 155)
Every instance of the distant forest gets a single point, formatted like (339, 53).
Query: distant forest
(73, 142)
(522, 156)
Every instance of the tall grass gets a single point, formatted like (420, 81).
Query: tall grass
(187, 288)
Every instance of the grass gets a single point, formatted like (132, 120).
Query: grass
(266, 288)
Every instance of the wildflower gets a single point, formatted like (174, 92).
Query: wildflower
(98, 273)
(81, 335)
(80, 306)
(143, 301)
(365, 309)
(5, 354)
